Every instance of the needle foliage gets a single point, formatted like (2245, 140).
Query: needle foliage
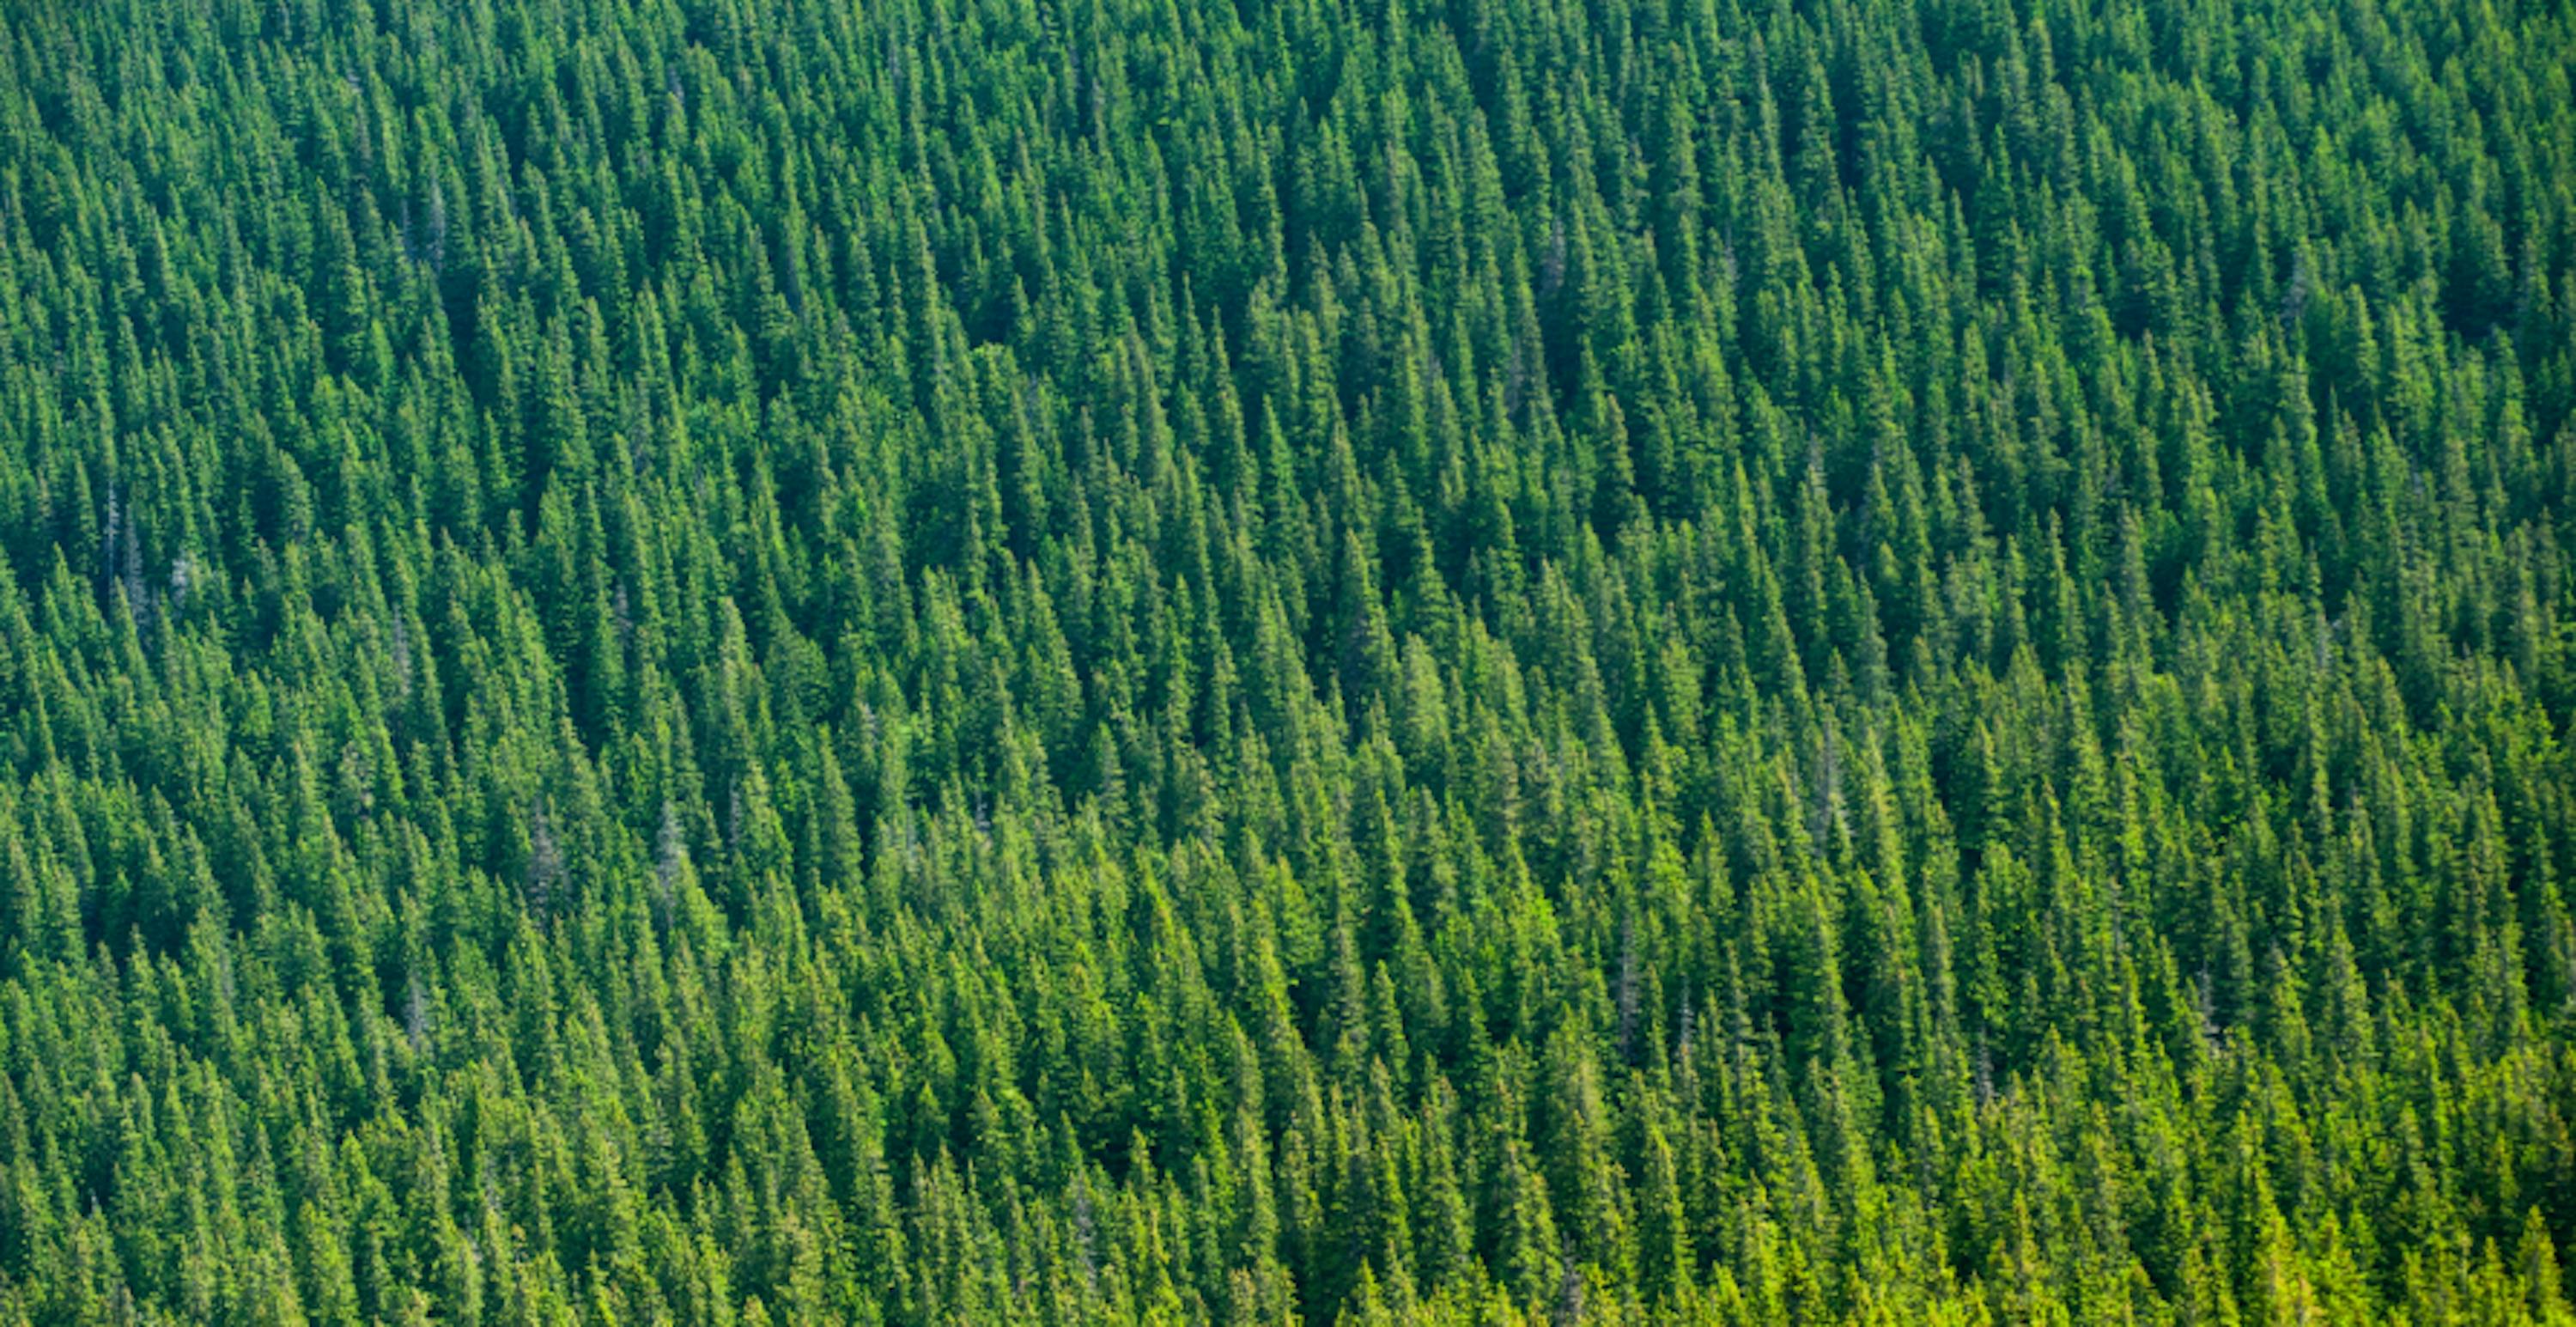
(1287, 661)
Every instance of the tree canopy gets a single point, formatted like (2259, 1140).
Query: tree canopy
(1287, 661)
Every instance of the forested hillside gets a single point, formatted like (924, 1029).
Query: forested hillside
(1278, 661)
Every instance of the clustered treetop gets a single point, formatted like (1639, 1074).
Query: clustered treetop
(1265, 661)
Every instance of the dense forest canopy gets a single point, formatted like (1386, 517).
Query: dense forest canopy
(1276, 661)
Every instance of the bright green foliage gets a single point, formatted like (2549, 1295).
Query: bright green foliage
(1467, 661)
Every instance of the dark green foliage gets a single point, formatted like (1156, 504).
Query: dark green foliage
(1265, 662)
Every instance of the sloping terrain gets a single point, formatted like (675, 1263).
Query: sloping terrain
(1265, 661)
